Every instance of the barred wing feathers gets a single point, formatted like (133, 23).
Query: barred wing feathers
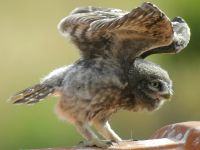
(101, 31)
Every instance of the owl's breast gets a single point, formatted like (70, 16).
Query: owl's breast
(100, 107)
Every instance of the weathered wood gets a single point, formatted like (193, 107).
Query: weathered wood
(185, 132)
(162, 144)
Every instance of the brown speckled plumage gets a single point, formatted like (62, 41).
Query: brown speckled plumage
(111, 73)
(107, 31)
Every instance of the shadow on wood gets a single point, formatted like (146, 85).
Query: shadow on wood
(180, 136)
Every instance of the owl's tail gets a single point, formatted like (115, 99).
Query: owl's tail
(32, 94)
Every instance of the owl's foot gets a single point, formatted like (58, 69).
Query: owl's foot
(97, 143)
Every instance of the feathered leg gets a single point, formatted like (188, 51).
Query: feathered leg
(92, 139)
(106, 131)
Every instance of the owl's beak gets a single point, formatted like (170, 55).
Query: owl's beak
(167, 94)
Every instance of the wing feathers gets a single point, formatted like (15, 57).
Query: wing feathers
(90, 26)
(180, 40)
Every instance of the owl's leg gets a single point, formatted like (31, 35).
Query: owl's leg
(90, 136)
(106, 131)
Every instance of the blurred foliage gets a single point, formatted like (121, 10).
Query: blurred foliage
(30, 47)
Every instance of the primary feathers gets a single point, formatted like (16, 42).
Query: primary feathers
(117, 33)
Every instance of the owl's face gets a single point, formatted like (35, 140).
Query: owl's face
(150, 84)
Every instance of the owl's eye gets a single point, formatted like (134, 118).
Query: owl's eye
(155, 84)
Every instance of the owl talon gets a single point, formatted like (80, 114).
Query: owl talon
(97, 143)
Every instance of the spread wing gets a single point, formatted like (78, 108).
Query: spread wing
(116, 33)
(180, 40)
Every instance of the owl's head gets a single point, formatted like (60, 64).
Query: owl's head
(150, 84)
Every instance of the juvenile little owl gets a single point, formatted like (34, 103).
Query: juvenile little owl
(111, 73)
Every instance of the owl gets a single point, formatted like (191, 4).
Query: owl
(111, 73)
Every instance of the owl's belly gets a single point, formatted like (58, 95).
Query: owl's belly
(101, 106)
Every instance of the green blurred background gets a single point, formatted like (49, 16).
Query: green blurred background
(30, 47)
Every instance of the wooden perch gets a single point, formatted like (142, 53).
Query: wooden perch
(180, 136)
